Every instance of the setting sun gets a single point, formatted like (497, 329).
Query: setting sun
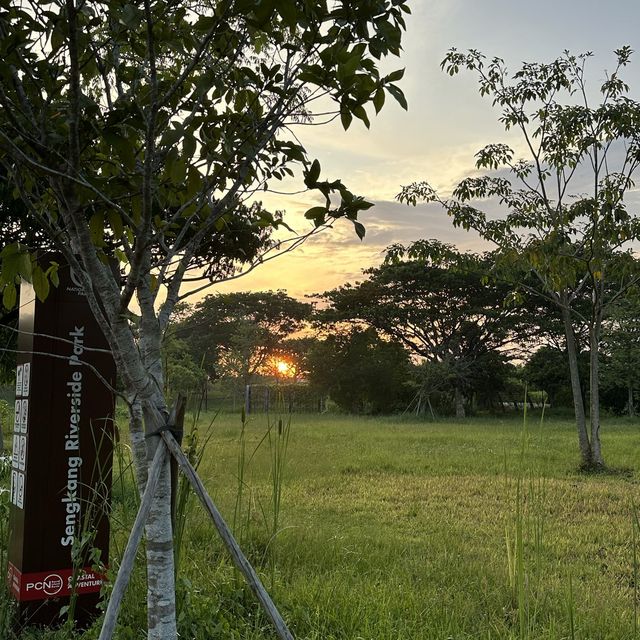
(282, 366)
(284, 369)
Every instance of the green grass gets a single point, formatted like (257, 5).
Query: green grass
(394, 529)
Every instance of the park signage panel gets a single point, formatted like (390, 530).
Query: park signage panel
(63, 429)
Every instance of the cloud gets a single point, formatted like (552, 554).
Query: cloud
(447, 123)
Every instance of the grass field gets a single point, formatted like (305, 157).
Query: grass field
(391, 529)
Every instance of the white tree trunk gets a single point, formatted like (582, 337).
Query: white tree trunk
(141, 369)
(161, 611)
(138, 444)
(576, 388)
(594, 392)
(161, 606)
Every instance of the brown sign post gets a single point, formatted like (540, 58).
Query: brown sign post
(62, 456)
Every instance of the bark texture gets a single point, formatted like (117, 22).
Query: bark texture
(576, 388)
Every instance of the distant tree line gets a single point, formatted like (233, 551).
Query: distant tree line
(554, 305)
(441, 336)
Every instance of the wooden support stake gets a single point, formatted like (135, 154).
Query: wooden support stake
(237, 556)
(128, 558)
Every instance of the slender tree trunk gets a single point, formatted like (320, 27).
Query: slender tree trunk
(594, 393)
(576, 389)
(161, 611)
(630, 400)
(459, 402)
(138, 444)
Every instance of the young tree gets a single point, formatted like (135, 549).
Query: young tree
(566, 230)
(442, 310)
(142, 131)
(182, 374)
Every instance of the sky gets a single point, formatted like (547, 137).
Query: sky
(446, 124)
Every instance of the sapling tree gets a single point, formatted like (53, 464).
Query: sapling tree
(563, 197)
(142, 132)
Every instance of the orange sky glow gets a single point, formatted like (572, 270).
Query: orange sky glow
(446, 124)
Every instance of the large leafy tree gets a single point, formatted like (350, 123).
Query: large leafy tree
(621, 342)
(445, 311)
(234, 334)
(566, 223)
(361, 372)
(547, 369)
(142, 131)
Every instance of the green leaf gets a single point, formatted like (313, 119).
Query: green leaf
(116, 224)
(132, 17)
(346, 118)
(396, 92)
(362, 205)
(40, 283)
(96, 228)
(288, 10)
(9, 296)
(378, 99)
(177, 169)
(188, 145)
(351, 65)
(194, 182)
(16, 263)
(394, 76)
(52, 274)
(125, 151)
(317, 214)
(360, 112)
(313, 174)
(360, 229)
(171, 136)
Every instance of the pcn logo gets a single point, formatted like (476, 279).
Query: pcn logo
(51, 585)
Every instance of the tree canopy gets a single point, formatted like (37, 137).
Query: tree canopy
(144, 132)
(234, 334)
(154, 124)
(447, 313)
(360, 371)
(571, 234)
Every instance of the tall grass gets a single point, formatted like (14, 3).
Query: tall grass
(248, 503)
(406, 529)
(194, 446)
(524, 533)
(571, 609)
(6, 605)
(241, 468)
(635, 528)
(279, 432)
